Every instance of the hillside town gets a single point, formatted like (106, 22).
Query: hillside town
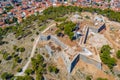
(14, 11)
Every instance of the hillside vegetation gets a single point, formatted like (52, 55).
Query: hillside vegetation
(52, 13)
(28, 26)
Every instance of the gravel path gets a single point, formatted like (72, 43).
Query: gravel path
(32, 53)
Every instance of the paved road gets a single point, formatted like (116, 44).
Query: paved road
(33, 51)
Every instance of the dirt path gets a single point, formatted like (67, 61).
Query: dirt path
(32, 53)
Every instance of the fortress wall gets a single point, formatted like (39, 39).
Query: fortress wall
(91, 61)
(58, 42)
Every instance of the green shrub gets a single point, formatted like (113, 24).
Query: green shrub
(29, 71)
(67, 27)
(102, 78)
(118, 54)
(37, 33)
(7, 76)
(53, 69)
(32, 39)
(19, 70)
(15, 47)
(26, 77)
(0, 61)
(87, 17)
(18, 59)
(106, 58)
(88, 77)
(21, 49)
(6, 56)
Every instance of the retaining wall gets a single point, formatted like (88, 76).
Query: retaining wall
(45, 38)
(91, 61)
(74, 62)
(101, 28)
(86, 35)
(58, 42)
(49, 50)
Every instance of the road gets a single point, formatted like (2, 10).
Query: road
(32, 52)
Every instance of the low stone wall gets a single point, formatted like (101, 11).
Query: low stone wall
(53, 38)
(44, 37)
(49, 50)
(101, 28)
(86, 35)
(74, 62)
(58, 42)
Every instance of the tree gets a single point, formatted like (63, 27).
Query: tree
(14, 19)
(26, 77)
(6, 56)
(38, 66)
(19, 69)
(21, 49)
(88, 77)
(67, 27)
(29, 71)
(40, 58)
(102, 78)
(37, 33)
(18, 59)
(15, 47)
(0, 61)
(53, 69)
(32, 39)
(105, 48)
(8, 8)
(41, 70)
(118, 54)
(7, 76)
(106, 58)
(87, 17)
(39, 77)
(37, 62)
(7, 21)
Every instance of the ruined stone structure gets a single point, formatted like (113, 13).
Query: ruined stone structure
(70, 56)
